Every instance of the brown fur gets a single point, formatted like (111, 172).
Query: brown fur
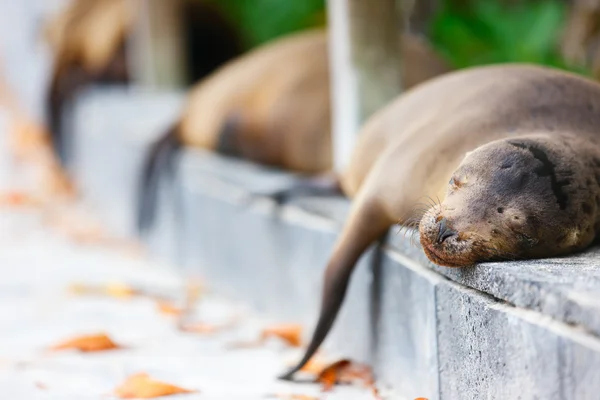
(270, 106)
(278, 96)
(528, 186)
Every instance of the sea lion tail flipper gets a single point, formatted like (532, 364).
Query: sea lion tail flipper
(160, 157)
(367, 223)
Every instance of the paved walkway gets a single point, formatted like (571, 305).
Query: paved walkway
(37, 309)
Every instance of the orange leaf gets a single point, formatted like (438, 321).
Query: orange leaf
(290, 333)
(18, 199)
(167, 308)
(331, 374)
(314, 366)
(346, 371)
(421, 398)
(143, 387)
(283, 396)
(199, 328)
(117, 290)
(98, 342)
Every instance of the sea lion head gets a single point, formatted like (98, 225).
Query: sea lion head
(526, 197)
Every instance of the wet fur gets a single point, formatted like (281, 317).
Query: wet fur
(514, 151)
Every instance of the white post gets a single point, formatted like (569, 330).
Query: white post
(365, 53)
(346, 120)
(158, 47)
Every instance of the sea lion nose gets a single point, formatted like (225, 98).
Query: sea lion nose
(444, 232)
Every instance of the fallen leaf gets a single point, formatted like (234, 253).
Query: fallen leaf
(346, 371)
(41, 386)
(200, 327)
(168, 308)
(143, 387)
(289, 333)
(421, 398)
(115, 289)
(88, 343)
(314, 366)
(119, 290)
(284, 396)
(332, 374)
(18, 199)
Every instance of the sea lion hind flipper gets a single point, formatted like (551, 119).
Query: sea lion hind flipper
(367, 223)
(160, 157)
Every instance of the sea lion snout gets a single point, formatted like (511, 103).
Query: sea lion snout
(444, 231)
(443, 243)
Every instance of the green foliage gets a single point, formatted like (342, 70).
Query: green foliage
(491, 31)
(263, 20)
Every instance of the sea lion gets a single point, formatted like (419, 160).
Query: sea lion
(270, 106)
(89, 40)
(514, 151)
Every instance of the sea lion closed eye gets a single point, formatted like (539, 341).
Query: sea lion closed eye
(514, 151)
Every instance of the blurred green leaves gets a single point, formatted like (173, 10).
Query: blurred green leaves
(263, 20)
(480, 32)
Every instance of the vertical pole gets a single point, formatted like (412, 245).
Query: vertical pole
(365, 43)
(344, 91)
(157, 43)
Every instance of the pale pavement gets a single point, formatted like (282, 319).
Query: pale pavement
(37, 266)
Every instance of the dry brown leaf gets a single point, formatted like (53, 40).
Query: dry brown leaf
(18, 199)
(143, 387)
(199, 327)
(168, 308)
(284, 396)
(314, 366)
(88, 343)
(332, 374)
(115, 289)
(346, 371)
(119, 290)
(289, 333)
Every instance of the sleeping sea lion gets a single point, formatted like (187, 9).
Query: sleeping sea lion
(270, 106)
(514, 151)
(89, 40)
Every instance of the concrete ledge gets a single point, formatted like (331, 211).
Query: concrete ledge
(527, 330)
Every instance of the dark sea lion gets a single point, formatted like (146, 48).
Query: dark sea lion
(270, 106)
(514, 151)
(89, 41)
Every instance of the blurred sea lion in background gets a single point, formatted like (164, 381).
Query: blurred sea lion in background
(270, 105)
(89, 40)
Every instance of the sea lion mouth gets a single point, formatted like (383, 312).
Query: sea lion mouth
(440, 258)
